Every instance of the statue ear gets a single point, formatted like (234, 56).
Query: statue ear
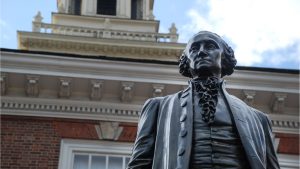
(183, 56)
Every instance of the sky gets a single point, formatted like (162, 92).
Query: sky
(263, 33)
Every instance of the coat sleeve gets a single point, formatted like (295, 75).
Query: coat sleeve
(271, 156)
(143, 150)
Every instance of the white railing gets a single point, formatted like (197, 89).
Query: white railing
(102, 33)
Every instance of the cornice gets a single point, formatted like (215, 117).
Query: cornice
(285, 123)
(94, 46)
(73, 109)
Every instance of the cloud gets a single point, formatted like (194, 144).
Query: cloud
(252, 27)
(288, 54)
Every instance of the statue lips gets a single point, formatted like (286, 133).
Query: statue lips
(202, 61)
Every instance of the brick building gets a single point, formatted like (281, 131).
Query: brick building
(72, 92)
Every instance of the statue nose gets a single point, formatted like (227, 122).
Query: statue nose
(201, 51)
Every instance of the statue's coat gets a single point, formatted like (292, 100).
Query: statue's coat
(164, 137)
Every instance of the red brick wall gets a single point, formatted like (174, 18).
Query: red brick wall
(129, 132)
(76, 130)
(288, 143)
(28, 143)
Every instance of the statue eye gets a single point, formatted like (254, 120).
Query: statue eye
(194, 48)
(211, 46)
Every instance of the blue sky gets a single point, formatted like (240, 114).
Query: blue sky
(263, 33)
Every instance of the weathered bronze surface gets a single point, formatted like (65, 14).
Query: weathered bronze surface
(203, 126)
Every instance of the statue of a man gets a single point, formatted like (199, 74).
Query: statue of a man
(203, 127)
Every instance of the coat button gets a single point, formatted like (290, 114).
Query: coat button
(183, 133)
(183, 117)
(184, 94)
(181, 151)
(214, 130)
(183, 103)
(185, 90)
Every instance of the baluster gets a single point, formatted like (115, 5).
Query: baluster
(63, 30)
(45, 28)
(60, 30)
(123, 35)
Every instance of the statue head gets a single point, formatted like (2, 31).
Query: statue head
(207, 54)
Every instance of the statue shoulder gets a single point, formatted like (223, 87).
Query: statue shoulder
(238, 101)
(241, 103)
(263, 116)
(162, 99)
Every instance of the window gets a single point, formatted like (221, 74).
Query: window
(88, 154)
(99, 161)
(106, 7)
(75, 7)
(136, 9)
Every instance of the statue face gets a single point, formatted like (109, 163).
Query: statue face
(204, 52)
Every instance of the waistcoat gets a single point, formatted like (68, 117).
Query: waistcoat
(217, 144)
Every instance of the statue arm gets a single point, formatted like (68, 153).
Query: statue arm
(143, 150)
(272, 160)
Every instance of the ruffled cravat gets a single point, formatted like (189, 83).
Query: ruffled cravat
(207, 91)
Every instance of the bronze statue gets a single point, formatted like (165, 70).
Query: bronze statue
(203, 127)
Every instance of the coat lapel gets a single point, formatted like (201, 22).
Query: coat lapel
(242, 126)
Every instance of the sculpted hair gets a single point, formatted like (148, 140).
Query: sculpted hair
(228, 61)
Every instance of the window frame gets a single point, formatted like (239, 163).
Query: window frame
(70, 147)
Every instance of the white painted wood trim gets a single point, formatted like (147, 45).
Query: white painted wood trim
(69, 146)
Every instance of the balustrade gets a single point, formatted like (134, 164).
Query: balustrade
(102, 33)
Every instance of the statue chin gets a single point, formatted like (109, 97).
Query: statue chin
(205, 71)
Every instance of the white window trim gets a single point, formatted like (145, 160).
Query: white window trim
(288, 161)
(70, 146)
